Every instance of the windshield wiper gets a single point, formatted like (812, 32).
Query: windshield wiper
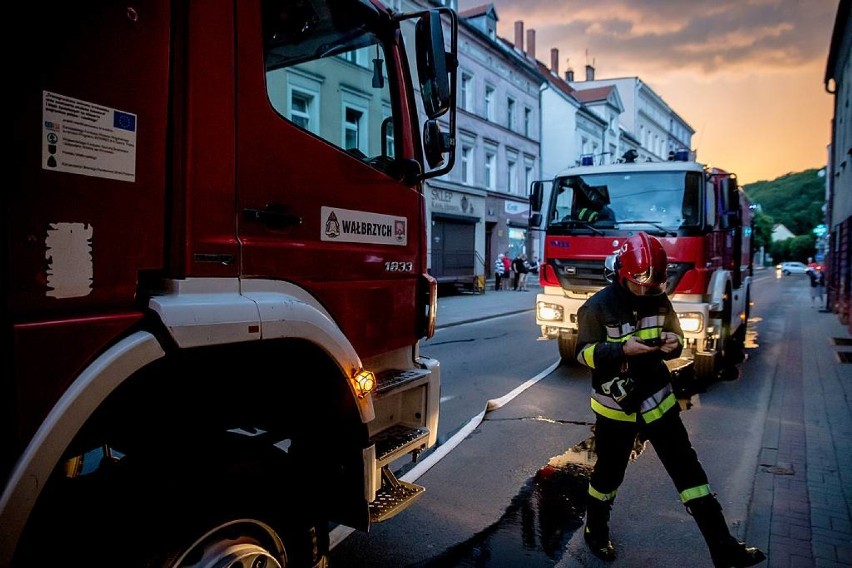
(584, 224)
(654, 224)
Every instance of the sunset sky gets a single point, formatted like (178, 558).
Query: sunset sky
(746, 75)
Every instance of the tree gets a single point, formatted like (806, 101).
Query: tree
(796, 199)
(795, 248)
(762, 231)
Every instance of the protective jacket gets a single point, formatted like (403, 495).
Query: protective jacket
(606, 321)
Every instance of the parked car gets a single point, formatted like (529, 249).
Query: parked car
(788, 268)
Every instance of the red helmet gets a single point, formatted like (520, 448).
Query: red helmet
(642, 260)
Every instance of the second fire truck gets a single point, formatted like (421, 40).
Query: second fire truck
(704, 221)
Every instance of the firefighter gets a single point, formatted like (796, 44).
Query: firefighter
(627, 330)
(592, 202)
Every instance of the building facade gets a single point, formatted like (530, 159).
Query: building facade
(481, 208)
(658, 129)
(838, 82)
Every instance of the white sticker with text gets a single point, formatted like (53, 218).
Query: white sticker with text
(349, 226)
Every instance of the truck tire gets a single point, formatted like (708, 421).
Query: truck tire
(732, 344)
(227, 507)
(567, 344)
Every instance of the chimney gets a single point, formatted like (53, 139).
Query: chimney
(531, 43)
(569, 75)
(590, 72)
(519, 35)
(554, 61)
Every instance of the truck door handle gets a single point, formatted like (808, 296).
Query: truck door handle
(273, 216)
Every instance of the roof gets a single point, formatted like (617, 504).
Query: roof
(555, 80)
(840, 25)
(478, 11)
(594, 94)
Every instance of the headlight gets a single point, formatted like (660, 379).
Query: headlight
(691, 322)
(549, 312)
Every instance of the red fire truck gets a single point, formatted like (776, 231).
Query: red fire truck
(704, 221)
(214, 277)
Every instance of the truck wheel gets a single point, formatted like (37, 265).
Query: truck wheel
(251, 512)
(733, 346)
(567, 344)
(228, 507)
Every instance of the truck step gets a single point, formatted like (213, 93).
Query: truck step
(394, 496)
(397, 441)
(394, 379)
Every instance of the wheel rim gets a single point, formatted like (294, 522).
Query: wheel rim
(238, 544)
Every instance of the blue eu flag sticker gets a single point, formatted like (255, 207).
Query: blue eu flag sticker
(124, 121)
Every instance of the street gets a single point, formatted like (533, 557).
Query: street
(485, 505)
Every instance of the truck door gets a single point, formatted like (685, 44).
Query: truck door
(320, 125)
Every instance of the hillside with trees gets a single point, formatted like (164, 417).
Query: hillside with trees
(795, 200)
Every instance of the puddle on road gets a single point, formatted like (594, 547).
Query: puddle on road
(539, 521)
(543, 516)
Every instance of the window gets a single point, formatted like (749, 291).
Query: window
(331, 92)
(490, 169)
(389, 139)
(353, 129)
(301, 105)
(358, 57)
(466, 98)
(489, 103)
(510, 113)
(513, 175)
(528, 177)
(527, 121)
(466, 164)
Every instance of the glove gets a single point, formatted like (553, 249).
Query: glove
(623, 391)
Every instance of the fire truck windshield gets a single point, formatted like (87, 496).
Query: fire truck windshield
(664, 200)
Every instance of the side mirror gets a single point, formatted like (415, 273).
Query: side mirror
(731, 202)
(436, 71)
(536, 196)
(609, 267)
(433, 67)
(436, 143)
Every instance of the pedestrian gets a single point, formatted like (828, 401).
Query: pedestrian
(507, 270)
(517, 270)
(811, 264)
(626, 332)
(534, 264)
(817, 278)
(498, 271)
(525, 273)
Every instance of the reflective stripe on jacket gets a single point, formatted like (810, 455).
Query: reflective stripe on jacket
(608, 319)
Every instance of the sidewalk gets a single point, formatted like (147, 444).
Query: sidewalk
(465, 307)
(801, 513)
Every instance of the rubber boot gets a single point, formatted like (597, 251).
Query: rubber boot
(596, 532)
(725, 550)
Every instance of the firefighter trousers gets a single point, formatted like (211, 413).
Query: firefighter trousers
(614, 441)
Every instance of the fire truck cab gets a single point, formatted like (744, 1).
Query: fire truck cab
(215, 276)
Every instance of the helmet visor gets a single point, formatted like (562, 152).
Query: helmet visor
(654, 280)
